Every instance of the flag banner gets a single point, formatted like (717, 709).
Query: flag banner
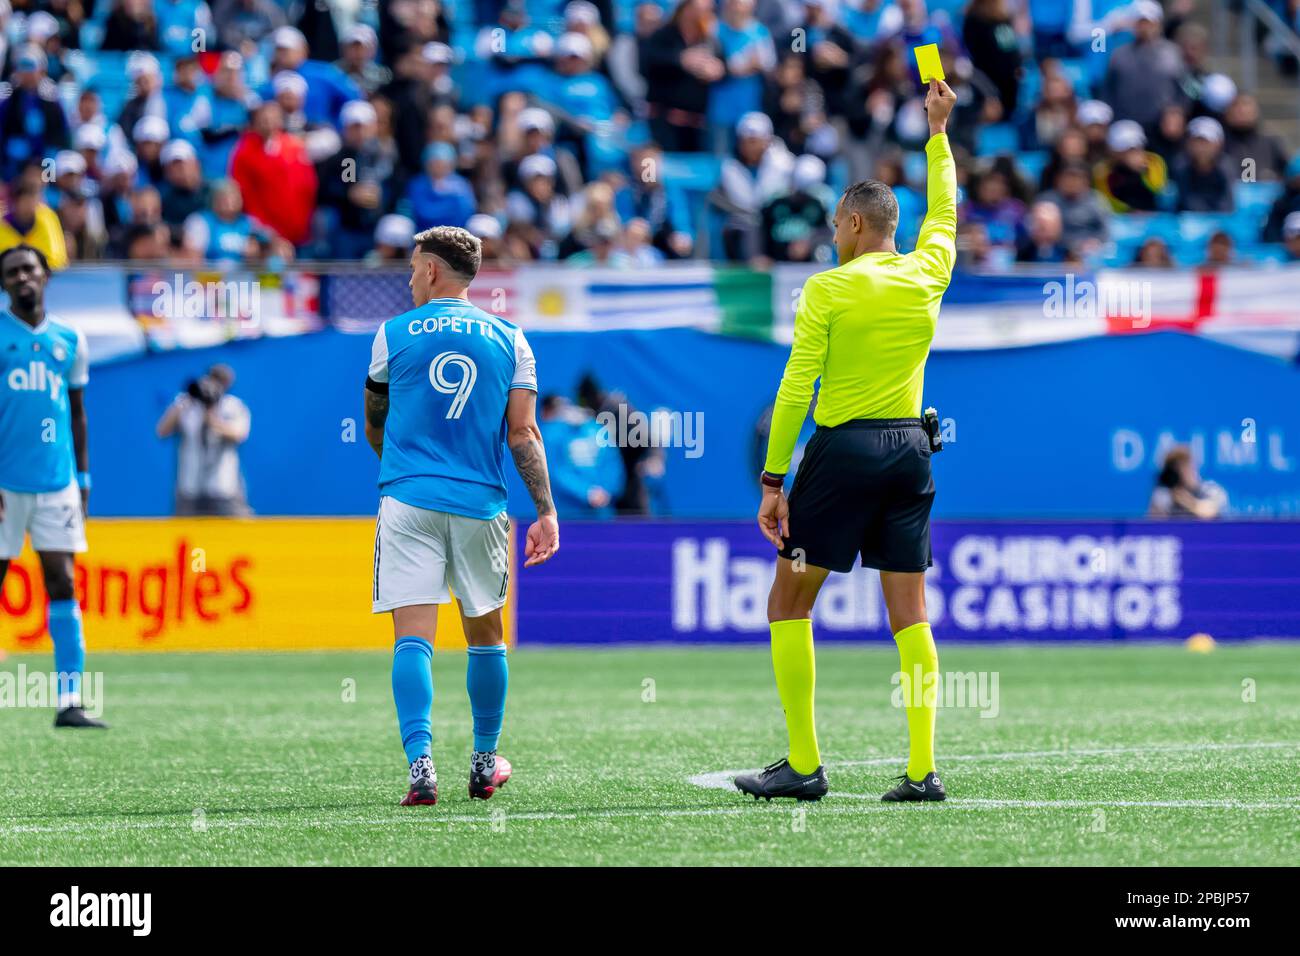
(691, 582)
(125, 314)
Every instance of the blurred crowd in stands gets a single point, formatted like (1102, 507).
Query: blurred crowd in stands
(624, 132)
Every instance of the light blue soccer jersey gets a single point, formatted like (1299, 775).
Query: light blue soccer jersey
(37, 368)
(449, 367)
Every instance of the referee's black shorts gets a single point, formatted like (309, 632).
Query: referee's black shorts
(863, 488)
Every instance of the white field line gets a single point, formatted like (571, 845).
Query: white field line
(721, 779)
(714, 780)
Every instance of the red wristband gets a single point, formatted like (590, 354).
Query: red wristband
(770, 480)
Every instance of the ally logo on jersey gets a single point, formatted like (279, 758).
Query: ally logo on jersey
(449, 367)
(38, 367)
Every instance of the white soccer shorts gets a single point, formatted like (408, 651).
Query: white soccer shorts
(53, 519)
(421, 556)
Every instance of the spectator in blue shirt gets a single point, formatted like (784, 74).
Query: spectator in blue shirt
(749, 53)
(184, 26)
(328, 87)
(441, 197)
(587, 105)
(32, 124)
(187, 100)
(663, 205)
(586, 468)
(228, 102)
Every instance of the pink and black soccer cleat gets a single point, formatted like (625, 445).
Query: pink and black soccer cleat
(483, 783)
(424, 784)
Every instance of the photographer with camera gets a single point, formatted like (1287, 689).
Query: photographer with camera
(211, 424)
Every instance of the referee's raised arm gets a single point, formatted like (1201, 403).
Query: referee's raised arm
(936, 245)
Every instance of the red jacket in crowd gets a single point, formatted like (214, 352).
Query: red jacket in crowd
(278, 183)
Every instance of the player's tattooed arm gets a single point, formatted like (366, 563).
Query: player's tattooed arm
(525, 441)
(530, 460)
(376, 416)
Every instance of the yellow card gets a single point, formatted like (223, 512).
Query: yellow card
(927, 61)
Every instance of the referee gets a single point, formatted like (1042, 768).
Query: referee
(864, 487)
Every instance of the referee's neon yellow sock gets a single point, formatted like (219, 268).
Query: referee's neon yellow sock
(796, 677)
(918, 659)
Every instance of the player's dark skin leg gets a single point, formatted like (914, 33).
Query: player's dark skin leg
(794, 591)
(59, 570)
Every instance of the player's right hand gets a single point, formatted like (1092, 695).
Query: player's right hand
(938, 104)
(774, 517)
(542, 541)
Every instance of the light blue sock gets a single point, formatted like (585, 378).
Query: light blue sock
(486, 677)
(413, 694)
(69, 649)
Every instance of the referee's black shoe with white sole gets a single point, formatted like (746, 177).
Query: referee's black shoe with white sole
(782, 780)
(928, 788)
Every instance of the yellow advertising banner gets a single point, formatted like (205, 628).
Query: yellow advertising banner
(220, 584)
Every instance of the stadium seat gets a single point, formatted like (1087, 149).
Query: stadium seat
(694, 172)
(1255, 198)
(995, 139)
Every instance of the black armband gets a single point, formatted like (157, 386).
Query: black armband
(379, 388)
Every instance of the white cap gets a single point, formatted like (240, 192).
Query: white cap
(484, 226)
(536, 118)
(1125, 135)
(809, 170)
(573, 44)
(1205, 127)
(357, 112)
(1094, 113)
(120, 161)
(754, 124)
(582, 13)
(177, 149)
(67, 161)
(89, 136)
(29, 57)
(287, 81)
(435, 52)
(289, 38)
(139, 63)
(538, 164)
(41, 26)
(1291, 226)
(394, 230)
(1218, 91)
(150, 129)
(360, 33)
(1148, 10)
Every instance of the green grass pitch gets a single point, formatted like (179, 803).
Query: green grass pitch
(1129, 755)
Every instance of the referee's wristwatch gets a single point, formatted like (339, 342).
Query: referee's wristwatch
(769, 480)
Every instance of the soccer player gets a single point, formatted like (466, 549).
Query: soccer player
(864, 486)
(44, 475)
(449, 384)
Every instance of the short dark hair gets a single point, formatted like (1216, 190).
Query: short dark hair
(874, 201)
(457, 247)
(23, 247)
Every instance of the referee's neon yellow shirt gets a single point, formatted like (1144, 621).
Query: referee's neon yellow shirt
(865, 327)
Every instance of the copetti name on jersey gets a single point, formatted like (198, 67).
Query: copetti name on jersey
(448, 323)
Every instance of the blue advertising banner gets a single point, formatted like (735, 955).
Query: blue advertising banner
(654, 582)
(1072, 430)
